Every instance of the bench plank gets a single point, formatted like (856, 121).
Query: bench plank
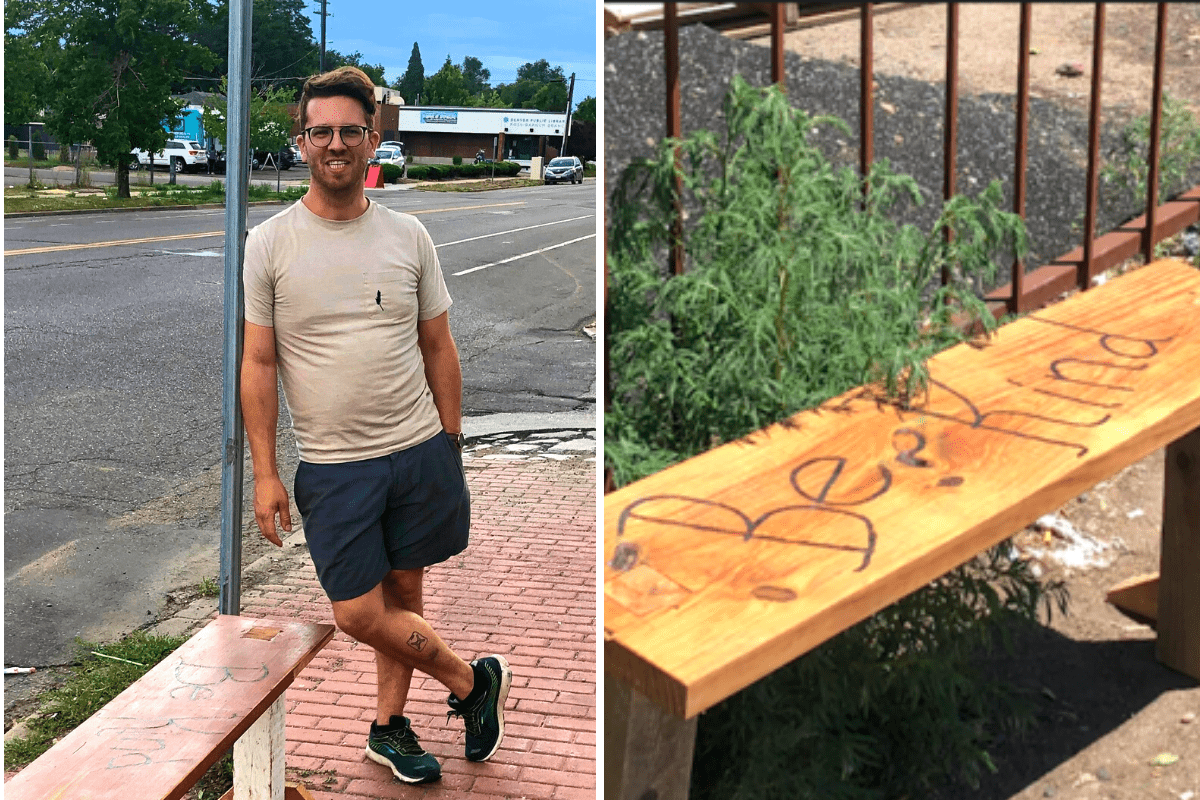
(721, 569)
(158, 737)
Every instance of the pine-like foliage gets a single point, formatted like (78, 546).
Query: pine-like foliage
(795, 291)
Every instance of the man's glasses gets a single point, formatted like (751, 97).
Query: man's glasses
(322, 135)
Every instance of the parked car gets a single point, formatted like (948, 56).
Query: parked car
(186, 155)
(284, 158)
(388, 155)
(398, 145)
(219, 162)
(564, 168)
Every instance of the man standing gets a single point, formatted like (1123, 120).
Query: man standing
(345, 301)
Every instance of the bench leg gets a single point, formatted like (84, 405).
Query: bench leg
(258, 757)
(647, 752)
(1179, 582)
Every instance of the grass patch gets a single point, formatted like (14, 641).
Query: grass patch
(93, 683)
(479, 186)
(54, 199)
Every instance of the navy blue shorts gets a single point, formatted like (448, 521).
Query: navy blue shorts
(362, 519)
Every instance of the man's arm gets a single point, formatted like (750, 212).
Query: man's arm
(443, 373)
(260, 413)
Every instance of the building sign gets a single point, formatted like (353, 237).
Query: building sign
(439, 117)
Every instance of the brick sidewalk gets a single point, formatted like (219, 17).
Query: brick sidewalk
(524, 588)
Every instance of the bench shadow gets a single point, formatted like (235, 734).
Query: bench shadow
(1084, 690)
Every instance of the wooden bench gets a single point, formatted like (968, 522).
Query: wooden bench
(723, 568)
(157, 738)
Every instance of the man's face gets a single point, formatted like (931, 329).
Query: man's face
(337, 168)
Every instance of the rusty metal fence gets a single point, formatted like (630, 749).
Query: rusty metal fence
(1027, 289)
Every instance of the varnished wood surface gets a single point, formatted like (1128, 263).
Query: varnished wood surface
(723, 568)
(155, 739)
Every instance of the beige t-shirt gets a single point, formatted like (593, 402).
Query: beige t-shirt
(344, 299)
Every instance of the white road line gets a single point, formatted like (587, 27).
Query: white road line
(524, 255)
(516, 230)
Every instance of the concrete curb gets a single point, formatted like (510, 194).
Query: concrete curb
(72, 211)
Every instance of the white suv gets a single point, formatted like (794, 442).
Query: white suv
(187, 155)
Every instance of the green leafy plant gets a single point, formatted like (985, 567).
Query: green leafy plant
(794, 292)
(208, 588)
(1179, 152)
(797, 289)
(457, 160)
(13, 152)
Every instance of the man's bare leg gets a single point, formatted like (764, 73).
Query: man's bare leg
(401, 589)
(403, 636)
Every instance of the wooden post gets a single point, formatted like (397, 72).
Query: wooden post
(258, 757)
(647, 751)
(1179, 582)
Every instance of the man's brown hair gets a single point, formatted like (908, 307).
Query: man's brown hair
(341, 82)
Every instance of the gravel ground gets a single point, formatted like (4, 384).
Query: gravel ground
(908, 127)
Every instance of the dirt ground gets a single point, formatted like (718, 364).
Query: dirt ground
(911, 42)
(1107, 709)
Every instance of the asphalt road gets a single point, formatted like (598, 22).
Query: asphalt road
(113, 337)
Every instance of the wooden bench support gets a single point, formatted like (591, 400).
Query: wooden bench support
(1179, 582)
(647, 751)
(258, 757)
(1137, 598)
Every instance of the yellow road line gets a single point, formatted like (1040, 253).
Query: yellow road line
(58, 248)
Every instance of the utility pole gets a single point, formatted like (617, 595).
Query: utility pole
(324, 14)
(570, 97)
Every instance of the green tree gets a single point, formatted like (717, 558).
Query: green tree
(586, 110)
(270, 119)
(26, 71)
(116, 64)
(475, 75)
(551, 97)
(283, 50)
(531, 78)
(334, 59)
(446, 87)
(412, 82)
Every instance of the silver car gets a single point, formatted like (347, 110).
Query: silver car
(564, 168)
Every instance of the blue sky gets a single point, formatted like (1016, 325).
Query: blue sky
(503, 35)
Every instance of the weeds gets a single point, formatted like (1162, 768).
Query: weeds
(208, 588)
(795, 291)
(94, 682)
(1179, 152)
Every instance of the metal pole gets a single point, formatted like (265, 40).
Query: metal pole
(322, 69)
(570, 97)
(237, 175)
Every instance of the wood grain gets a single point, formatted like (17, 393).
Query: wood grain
(723, 568)
(156, 739)
(1179, 585)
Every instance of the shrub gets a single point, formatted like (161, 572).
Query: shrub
(13, 152)
(419, 172)
(39, 150)
(457, 160)
(794, 292)
(1179, 152)
(392, 172)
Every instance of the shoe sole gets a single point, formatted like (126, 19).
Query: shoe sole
(505, 683)
(387, 762)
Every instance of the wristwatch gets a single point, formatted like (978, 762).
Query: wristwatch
(459, 439)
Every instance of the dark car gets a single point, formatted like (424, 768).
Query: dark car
(284, 158)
